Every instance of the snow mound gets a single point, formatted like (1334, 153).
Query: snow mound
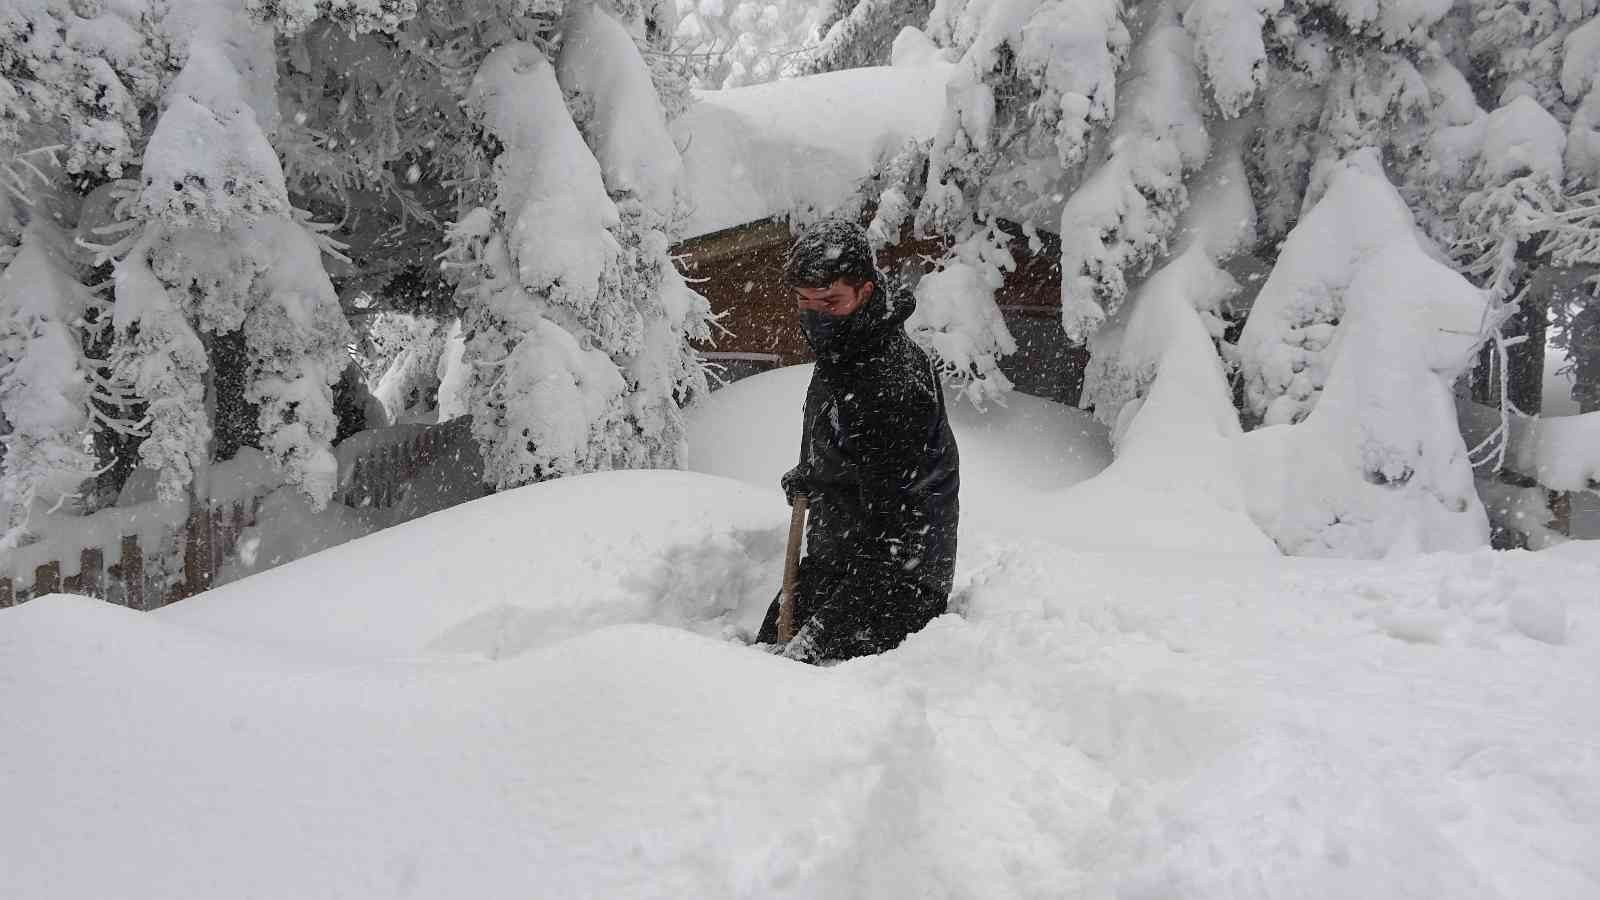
(606, 766)
(522, 569)
(801, 146)
(455, 708)
(1011, 455)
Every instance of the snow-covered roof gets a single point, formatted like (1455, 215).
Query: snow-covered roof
(802, 144)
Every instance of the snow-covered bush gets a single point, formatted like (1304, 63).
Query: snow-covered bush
(1285, 348)
(293, 16)
(1378, 466)
(957, 321)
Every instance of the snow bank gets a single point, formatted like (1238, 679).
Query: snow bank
(1011, 455)
(509, 572)
(801, 146)
(1157, 380)
(580, 771)
(448, 708)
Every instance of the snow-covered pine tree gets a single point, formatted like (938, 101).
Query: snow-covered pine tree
(1086, 115)
(607, 283)
(543, 404)
(1031, 77)
(1534, 66)
(75, 79)
(44, 381)
(90, 68)
(218, 251)
(576, 324)
(609, 83)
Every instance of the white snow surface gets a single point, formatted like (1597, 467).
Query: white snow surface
(1522, 138)
(801, 146)
(530, 695)
(628, 132)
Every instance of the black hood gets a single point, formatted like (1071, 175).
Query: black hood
(841, 339)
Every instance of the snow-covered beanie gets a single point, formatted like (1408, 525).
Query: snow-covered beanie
(827, 251)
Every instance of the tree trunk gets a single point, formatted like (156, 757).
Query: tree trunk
(1584, 349)
(1526, 360)
(235, 423)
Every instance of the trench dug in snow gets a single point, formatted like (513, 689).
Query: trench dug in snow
(543, 693)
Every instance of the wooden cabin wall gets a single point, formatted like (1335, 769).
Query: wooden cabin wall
(740, 271)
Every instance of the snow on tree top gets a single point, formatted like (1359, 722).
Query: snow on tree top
(1522, 138)
(208, 159)
(804, 145)
(628, 131)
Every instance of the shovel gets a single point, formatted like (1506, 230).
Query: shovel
(791, 569)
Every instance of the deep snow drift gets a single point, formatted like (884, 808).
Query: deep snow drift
(546, 693)
(467, 705)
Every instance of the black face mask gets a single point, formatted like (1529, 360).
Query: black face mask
(826, 334)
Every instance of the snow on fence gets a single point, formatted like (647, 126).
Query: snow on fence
(151, 554)
(375, 466)
(141, 557)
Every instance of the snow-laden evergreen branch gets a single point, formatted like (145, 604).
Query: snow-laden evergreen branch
(1119, 219)
(44, 383)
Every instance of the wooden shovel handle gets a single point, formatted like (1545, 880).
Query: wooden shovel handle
(791, 569)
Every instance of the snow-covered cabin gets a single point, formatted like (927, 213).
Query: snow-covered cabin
(757, 157)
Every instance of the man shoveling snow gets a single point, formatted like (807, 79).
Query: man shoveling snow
(878, 462)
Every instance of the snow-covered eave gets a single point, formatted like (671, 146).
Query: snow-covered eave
(735, 240)
(801, 145)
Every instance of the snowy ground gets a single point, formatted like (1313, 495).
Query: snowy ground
(539, 694)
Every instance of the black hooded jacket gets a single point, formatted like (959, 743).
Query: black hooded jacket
(880, 466)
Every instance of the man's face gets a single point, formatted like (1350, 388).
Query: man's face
(838, 299)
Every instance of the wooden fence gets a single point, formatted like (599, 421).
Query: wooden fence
(205, 539)
(377, 477)
(133, 571)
